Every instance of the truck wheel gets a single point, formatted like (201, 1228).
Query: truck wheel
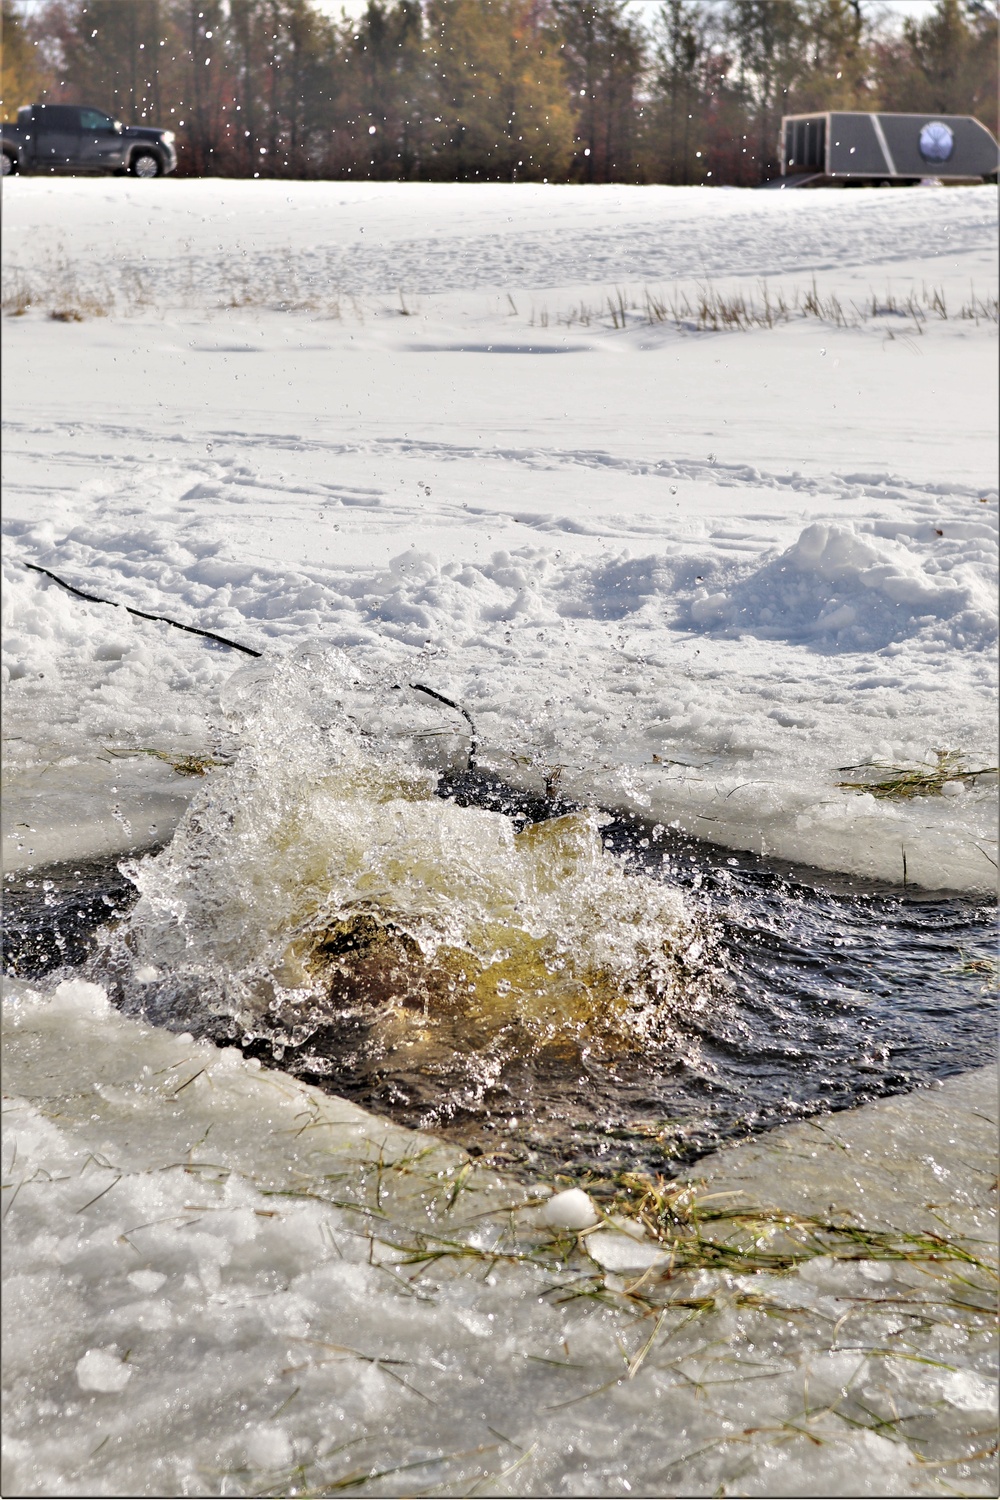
(9, 166)
(145, 164)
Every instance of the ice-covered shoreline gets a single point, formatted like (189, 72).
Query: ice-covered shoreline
(223, 1282)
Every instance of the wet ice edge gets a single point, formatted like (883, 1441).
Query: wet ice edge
(209, 1290)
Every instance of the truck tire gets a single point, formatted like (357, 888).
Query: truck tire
(145, 164)
(9, 164)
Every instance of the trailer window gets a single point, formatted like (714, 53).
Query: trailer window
(805, 145)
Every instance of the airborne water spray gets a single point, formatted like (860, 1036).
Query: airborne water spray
(319, 888)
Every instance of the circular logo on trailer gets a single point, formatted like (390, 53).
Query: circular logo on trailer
(937, 141)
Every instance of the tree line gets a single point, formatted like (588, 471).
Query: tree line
(494, 90)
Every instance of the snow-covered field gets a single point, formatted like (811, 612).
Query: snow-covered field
(699, 571)
(699, 575)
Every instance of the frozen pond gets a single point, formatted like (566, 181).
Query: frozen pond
(806, 993)
(721, 606)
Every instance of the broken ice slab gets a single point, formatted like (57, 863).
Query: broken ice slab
(89, 809)
(925, 1161)
(283, 1275)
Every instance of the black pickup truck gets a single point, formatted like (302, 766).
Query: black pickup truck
(74, 138)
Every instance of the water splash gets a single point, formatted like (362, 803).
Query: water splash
(319, 891)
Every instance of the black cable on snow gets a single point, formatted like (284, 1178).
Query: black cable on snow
(210, 635)
(418, 687)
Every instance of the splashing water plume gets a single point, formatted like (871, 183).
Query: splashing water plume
(318, 892)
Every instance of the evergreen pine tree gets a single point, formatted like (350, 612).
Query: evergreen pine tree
(606, 56)
(770, 39)
(383, 89)
(677, 101)
(499, 103)
(945, 62)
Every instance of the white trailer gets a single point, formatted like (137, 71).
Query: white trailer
(852, 147)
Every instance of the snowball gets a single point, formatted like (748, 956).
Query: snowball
(84, 998)
(147, 1281)
(100, 1370)
(269, 1448)
(573, 1209)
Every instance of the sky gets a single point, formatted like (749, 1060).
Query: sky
(900, 8)
(895, 8)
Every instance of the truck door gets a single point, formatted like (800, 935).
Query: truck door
(101, 143)
(56, 132)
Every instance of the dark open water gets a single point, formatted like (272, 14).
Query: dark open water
(826, 992)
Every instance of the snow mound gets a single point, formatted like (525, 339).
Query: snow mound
(841, 589)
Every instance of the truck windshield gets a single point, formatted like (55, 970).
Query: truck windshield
(93, 119)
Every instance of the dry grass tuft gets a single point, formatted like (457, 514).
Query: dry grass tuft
(278, 290)
(55, 288)
(184, 765)
(713, 311)
(702, 1233)
(17, 295)
(899, 783)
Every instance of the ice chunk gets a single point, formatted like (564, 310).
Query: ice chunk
(101, 1370)
(147, 1281)
(80, 996)
(269, 1448)
(286, 1345)
(573, 1209)
(621, 1252)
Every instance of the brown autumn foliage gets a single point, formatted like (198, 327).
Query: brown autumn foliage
(562, 90)
(23, 74)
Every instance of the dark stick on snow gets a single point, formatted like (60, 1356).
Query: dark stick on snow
(418, 687)
(209, 635)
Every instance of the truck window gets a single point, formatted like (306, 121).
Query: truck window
(94, 120)
(57, 117)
